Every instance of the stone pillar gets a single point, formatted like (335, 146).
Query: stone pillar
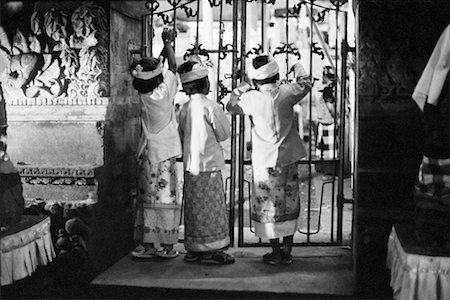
(395, 40)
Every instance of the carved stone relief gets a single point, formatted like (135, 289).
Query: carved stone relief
(63, 55)
(390, 55)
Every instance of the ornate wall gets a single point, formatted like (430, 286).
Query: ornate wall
(72, 113)
(395, 40)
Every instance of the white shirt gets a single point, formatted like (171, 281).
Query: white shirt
(159, 124)
(202, 126)
(276, 141)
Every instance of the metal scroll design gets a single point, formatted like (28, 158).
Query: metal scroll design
(287, 48)
(317, 50)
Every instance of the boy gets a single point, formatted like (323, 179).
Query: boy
(277, 147)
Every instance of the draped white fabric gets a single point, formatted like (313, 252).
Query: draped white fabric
(23, 251)
(417, 277)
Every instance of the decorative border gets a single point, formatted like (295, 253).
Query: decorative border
(57, 176)
(57, 101)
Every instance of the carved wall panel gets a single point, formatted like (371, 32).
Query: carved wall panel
(63, 52)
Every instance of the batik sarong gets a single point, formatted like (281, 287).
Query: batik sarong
(275, 202)
(158, 204)
(205, 212)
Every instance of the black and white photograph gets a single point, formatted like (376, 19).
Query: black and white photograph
(225, 149)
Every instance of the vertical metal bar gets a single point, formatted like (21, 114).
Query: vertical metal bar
(242, 127)
(198, 23)
(221, 25)
(263, 27)
(342, 158)
(151, 33)
(336, 97)
(174, 24)
(308, 229)
(144, 36)
(287, 38)
(233, 125)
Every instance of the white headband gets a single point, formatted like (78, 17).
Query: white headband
(146, 75)
(198, 71)
(268, 70)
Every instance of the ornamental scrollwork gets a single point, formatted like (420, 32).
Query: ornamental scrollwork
(196, 50)
(165, 18)
(214, 3)
(223, 91)
(255, 50)
(151, 5)
(317, 50)
(174, 2)
(189, 12)
(287, 48)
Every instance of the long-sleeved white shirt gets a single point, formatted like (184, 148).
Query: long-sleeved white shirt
(276, 141)
(202, 126)
(159, 124)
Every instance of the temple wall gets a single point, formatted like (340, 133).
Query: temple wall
(73, 115)
(395, 40)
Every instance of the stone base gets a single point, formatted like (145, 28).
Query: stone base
(64, 193)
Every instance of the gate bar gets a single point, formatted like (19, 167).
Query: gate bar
(241, 128)
(233, 127)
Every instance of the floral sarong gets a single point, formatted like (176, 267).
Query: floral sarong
(158, 205)
(275, 203)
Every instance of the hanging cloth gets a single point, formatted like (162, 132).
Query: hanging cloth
(431, 82)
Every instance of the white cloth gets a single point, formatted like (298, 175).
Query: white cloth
(431, 82)
(203, 125)
(23, 251)
(417, 277)
(159, 124)
(268, 70)
(275, 230)
(275, 137)
(198, 71)
(146, 75)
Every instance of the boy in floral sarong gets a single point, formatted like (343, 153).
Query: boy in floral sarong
(158, 204)
(203, 125)
(277, 147)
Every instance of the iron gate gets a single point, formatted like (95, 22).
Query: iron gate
(236, 41)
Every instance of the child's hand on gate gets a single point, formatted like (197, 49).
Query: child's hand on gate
(168, 35)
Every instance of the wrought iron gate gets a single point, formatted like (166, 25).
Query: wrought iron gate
(229, 58)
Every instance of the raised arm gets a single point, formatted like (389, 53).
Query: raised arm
(302, 85)
(233, 103)
(168, 36)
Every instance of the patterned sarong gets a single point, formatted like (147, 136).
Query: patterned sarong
(434, 176)
(276, 202)
(205, 212)
(158, 205)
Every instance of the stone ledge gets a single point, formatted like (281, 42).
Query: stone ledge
(56, 113)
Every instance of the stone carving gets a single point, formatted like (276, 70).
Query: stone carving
(389, 61)
(50, 62)
(57, 176)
